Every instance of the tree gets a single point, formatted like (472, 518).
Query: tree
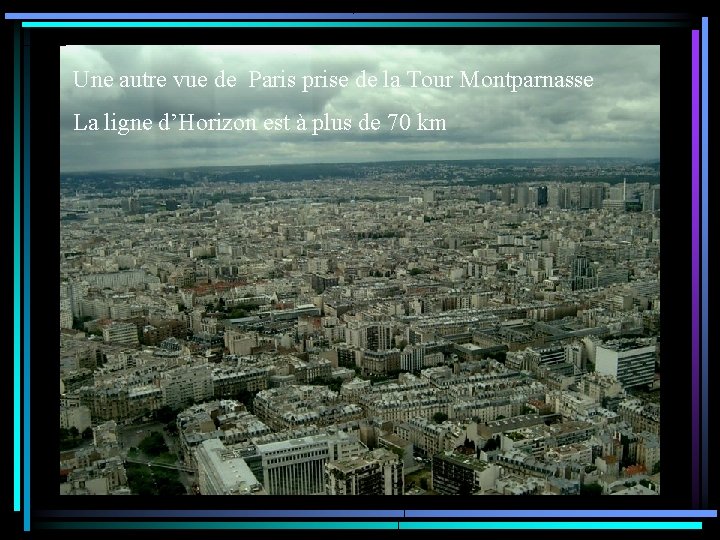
(140, 479)
(591, 490)
(424, 483)
(246, 398)
(465, 489)
(87, 433)
(399, 452)
(439, 417)
(490, 445)
(333, 384)
(167, 481)
(171, 487)
(69, 438)
(656, 468)
(165, 414)
(79, 323)
(499, 356)
(153, 445)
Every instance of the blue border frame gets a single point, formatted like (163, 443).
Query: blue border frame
(349, 24)
(338, 16)
(488, 514)
(704, 258)
(39, 20)
(695, 265)
(373, 525)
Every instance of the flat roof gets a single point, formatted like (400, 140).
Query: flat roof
(231, 469)
(468, 461)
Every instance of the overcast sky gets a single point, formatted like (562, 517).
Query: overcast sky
(619, 116)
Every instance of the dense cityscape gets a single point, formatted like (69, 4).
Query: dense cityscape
(392, 328)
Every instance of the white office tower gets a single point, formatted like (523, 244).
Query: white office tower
(630, 361)
(297, 466)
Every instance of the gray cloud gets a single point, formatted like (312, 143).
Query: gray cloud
(618, 116)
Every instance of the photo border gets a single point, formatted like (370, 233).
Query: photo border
(21, 269)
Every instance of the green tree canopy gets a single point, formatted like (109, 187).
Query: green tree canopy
(439, 417)
(153, 445)
(591, 490)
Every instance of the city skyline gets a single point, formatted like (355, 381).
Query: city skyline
(383, 334)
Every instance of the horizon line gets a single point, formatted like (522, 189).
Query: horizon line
(62, 172)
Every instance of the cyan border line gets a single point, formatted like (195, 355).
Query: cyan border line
(17, 472)
(195, 513)
(695, 256)
(340, 16)
(704, 271)
(562, 513)
(385, 525)
(351, 24)
(348, 513)
(26, 288)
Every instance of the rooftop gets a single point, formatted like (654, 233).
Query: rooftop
(231, 470)
(467, 461)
